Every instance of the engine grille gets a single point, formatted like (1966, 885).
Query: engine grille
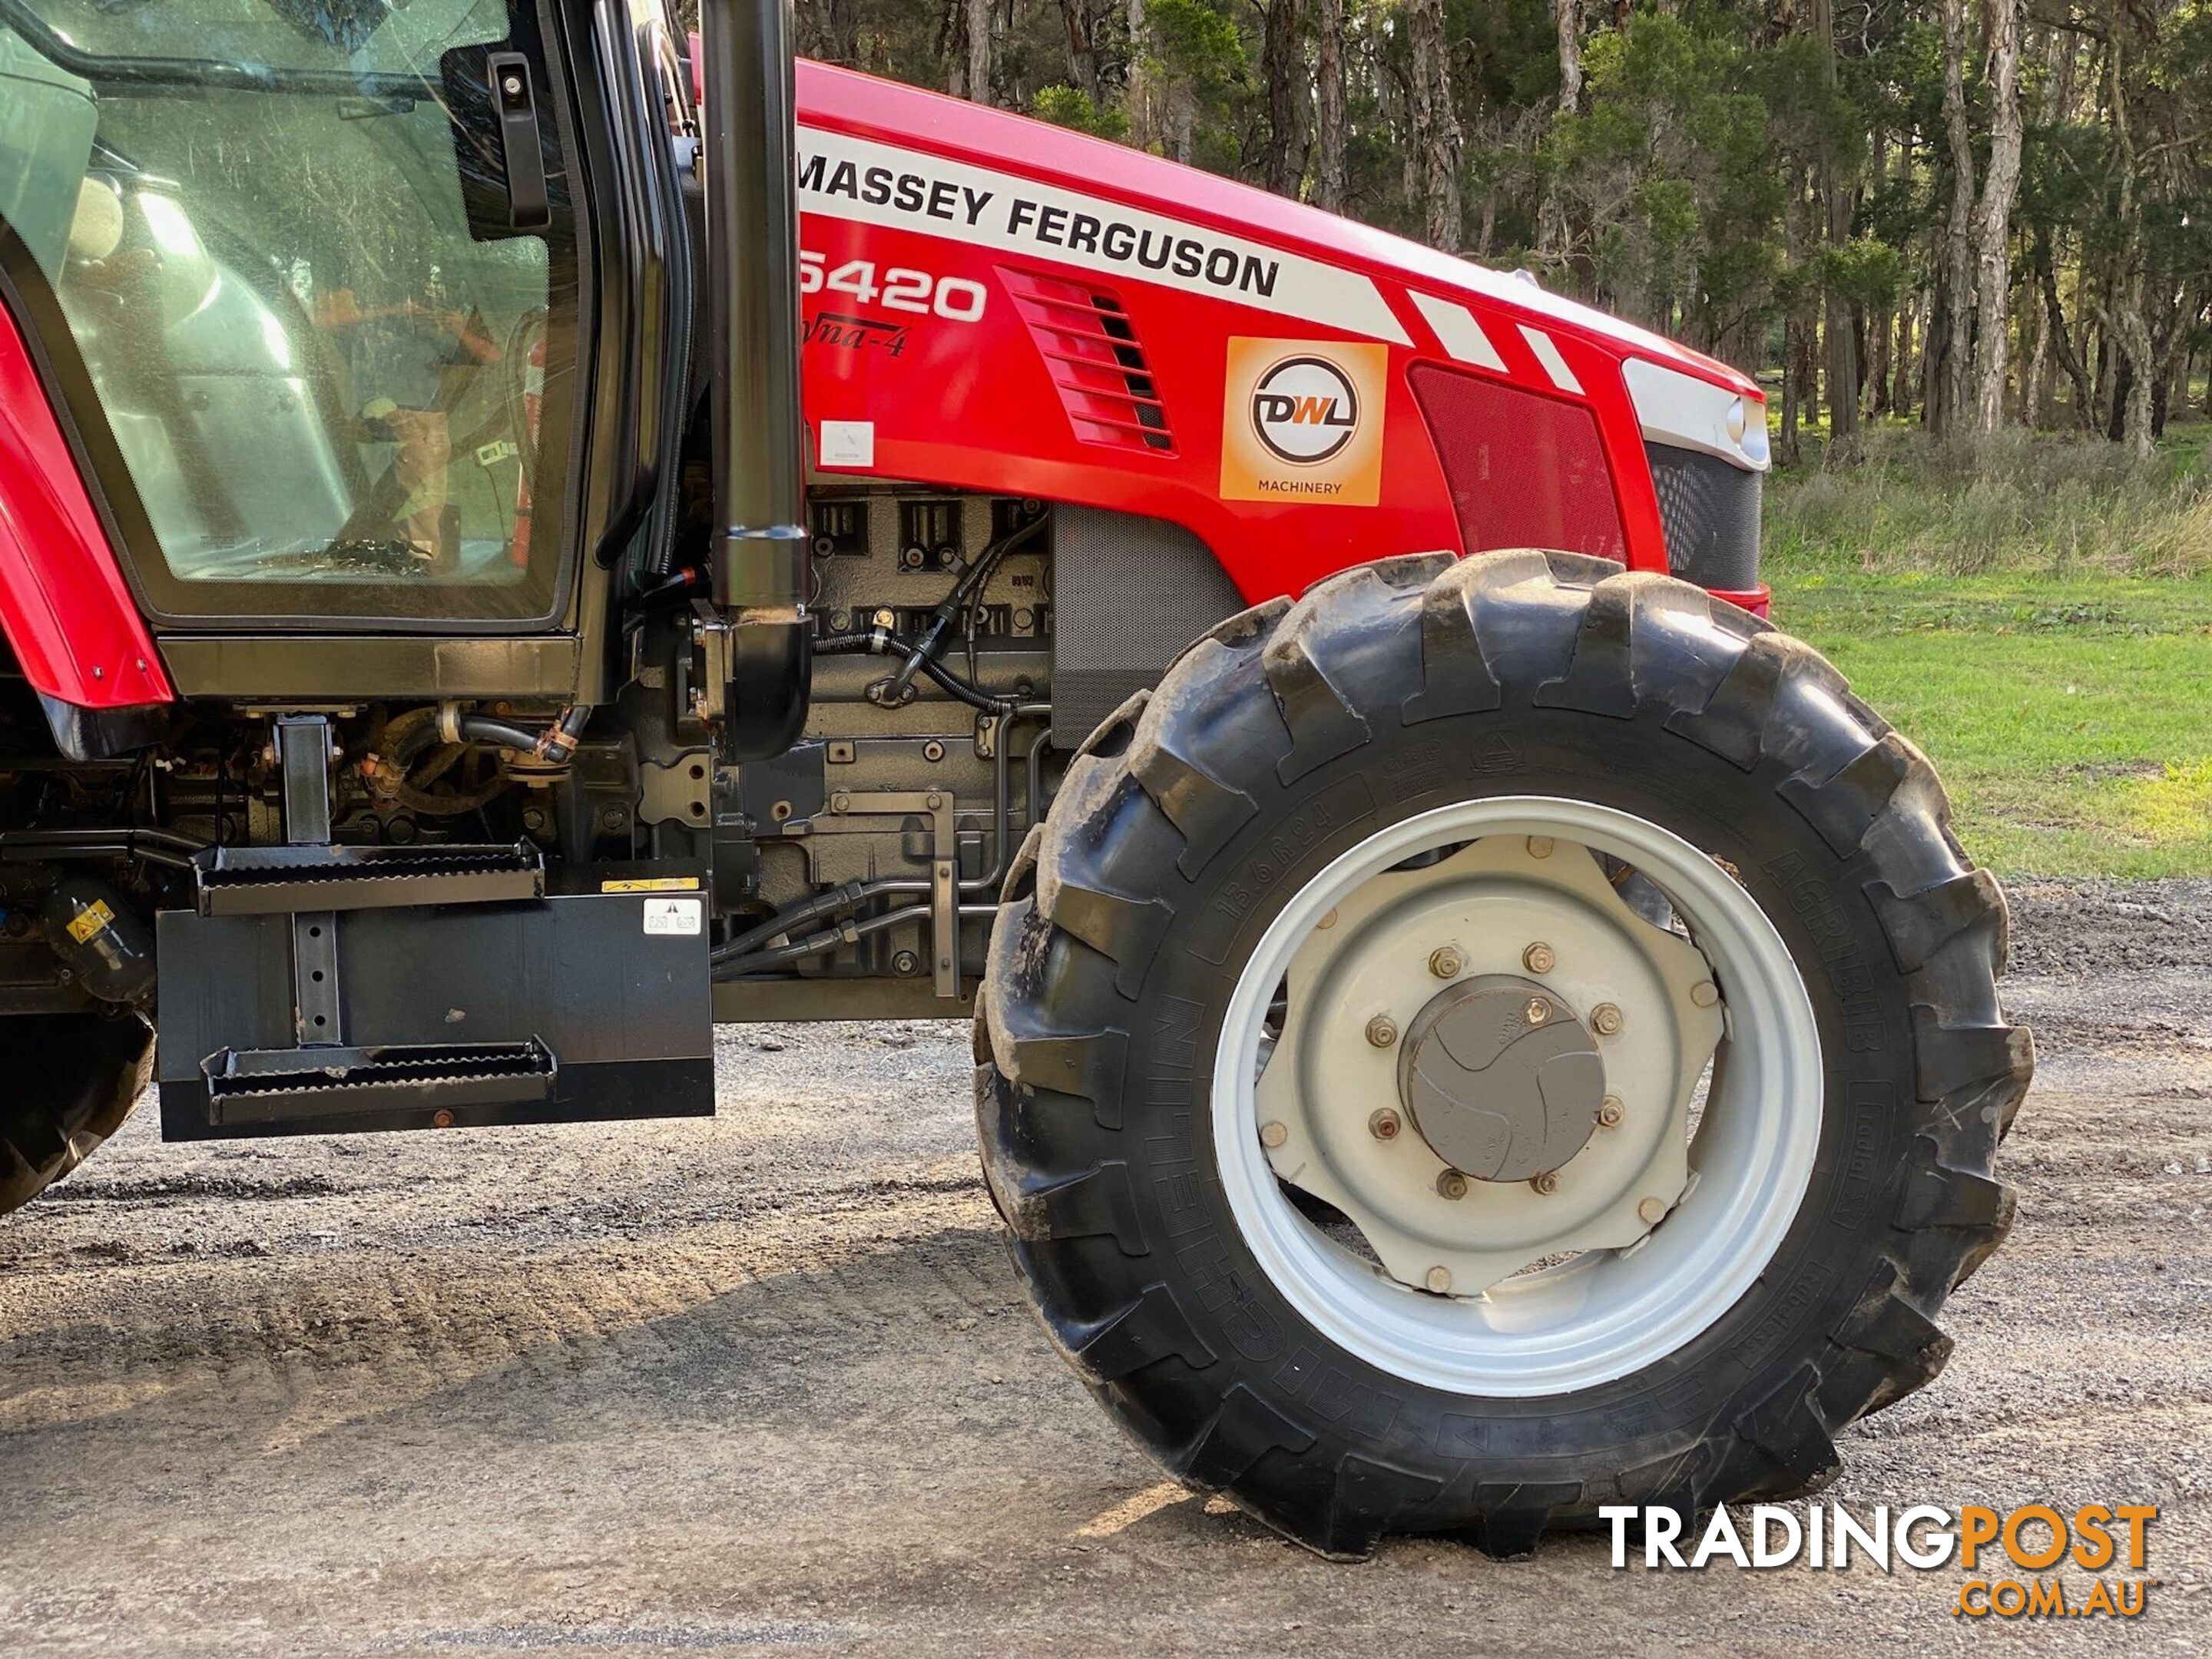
(1094, 359)
(1128, 594)
(1710, 511)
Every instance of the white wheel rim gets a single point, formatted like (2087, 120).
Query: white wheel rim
(1604, 1314)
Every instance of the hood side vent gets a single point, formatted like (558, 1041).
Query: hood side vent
(1092, 351)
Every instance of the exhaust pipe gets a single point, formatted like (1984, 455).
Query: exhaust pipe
(761, 567)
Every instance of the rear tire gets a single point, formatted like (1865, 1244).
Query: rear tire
(1291, 735)
(67, 1081)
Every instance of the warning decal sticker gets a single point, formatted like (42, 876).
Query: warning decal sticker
(680, 918)
(1301, 419)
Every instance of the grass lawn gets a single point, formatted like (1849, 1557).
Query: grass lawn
(2037, 615)
(2071, 716)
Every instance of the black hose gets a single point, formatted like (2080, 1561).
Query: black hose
(849, 897)
(557, 743)
(883, 642)
(848, 932)
(923, 652)
(484, 728)
(163, 847)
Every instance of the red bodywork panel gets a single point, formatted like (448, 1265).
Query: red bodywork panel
(1087, 349)
(63, 603)
(1000, 305)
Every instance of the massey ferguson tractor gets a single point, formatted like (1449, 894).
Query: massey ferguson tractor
(508, 558)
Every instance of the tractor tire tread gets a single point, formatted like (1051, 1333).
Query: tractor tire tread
(1263, 700)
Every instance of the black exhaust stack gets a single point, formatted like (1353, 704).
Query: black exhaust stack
(761, 572)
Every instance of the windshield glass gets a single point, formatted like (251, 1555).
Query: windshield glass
(311, 36)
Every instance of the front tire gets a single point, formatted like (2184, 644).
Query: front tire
(1202, 815)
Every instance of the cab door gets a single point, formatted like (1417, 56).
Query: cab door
(305, 275)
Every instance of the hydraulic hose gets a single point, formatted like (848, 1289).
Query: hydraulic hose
(882, 642)
(850, 932)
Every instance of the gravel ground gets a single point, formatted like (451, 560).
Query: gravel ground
(765, 1381)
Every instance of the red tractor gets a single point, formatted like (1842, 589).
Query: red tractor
(1472, 1024)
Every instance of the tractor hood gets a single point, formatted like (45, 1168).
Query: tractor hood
(834, 102)
(991, 303)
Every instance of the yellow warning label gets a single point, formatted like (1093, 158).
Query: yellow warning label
(652, 885)
(89, 920)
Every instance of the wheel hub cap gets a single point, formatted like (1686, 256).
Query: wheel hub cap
(1501, 1078)
(1502, 1074)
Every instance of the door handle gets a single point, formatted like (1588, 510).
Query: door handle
(514, 96)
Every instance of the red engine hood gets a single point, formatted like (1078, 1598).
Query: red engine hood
(845, 101)
(995, 304)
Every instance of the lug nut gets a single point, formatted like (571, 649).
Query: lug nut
(1539, 958)
(1704, 993)
(1440, 1281)
(1540, 846)
(1651, 1212)
(1381, 1031)
(1606, 1019)
(1537, 1012)
(1608, 1112)
(1273, 1135)
(1545, 1182)
(1445, 962)
(1451, 1184)
(1384, 1123)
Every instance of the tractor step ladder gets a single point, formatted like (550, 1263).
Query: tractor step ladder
(311, 879)
(269, 1085)
(252, 881)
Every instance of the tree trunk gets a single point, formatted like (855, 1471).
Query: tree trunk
(1843, 356)
(1282, 66)
(1329, 94)
(1552, 213)
(978, 14)
(1901, 400)
(1182, 120)
(1994, 232)
(1949, 388)
(1082, 47)
(1568, 14)
(2061, 343)
(2128, 319)
(1140, 77)
(1435, 123)
(1791, 414)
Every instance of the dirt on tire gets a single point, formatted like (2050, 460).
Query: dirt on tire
(767, 1381)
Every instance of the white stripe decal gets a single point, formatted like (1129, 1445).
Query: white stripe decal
(1547, 353)
(857, 179)
(1460, 332)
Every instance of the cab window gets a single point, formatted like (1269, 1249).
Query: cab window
(324, 323)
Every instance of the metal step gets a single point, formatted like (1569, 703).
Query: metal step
(259, 881)
(262, 1085)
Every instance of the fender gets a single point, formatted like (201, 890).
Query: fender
(64, 608)
(994, 303)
